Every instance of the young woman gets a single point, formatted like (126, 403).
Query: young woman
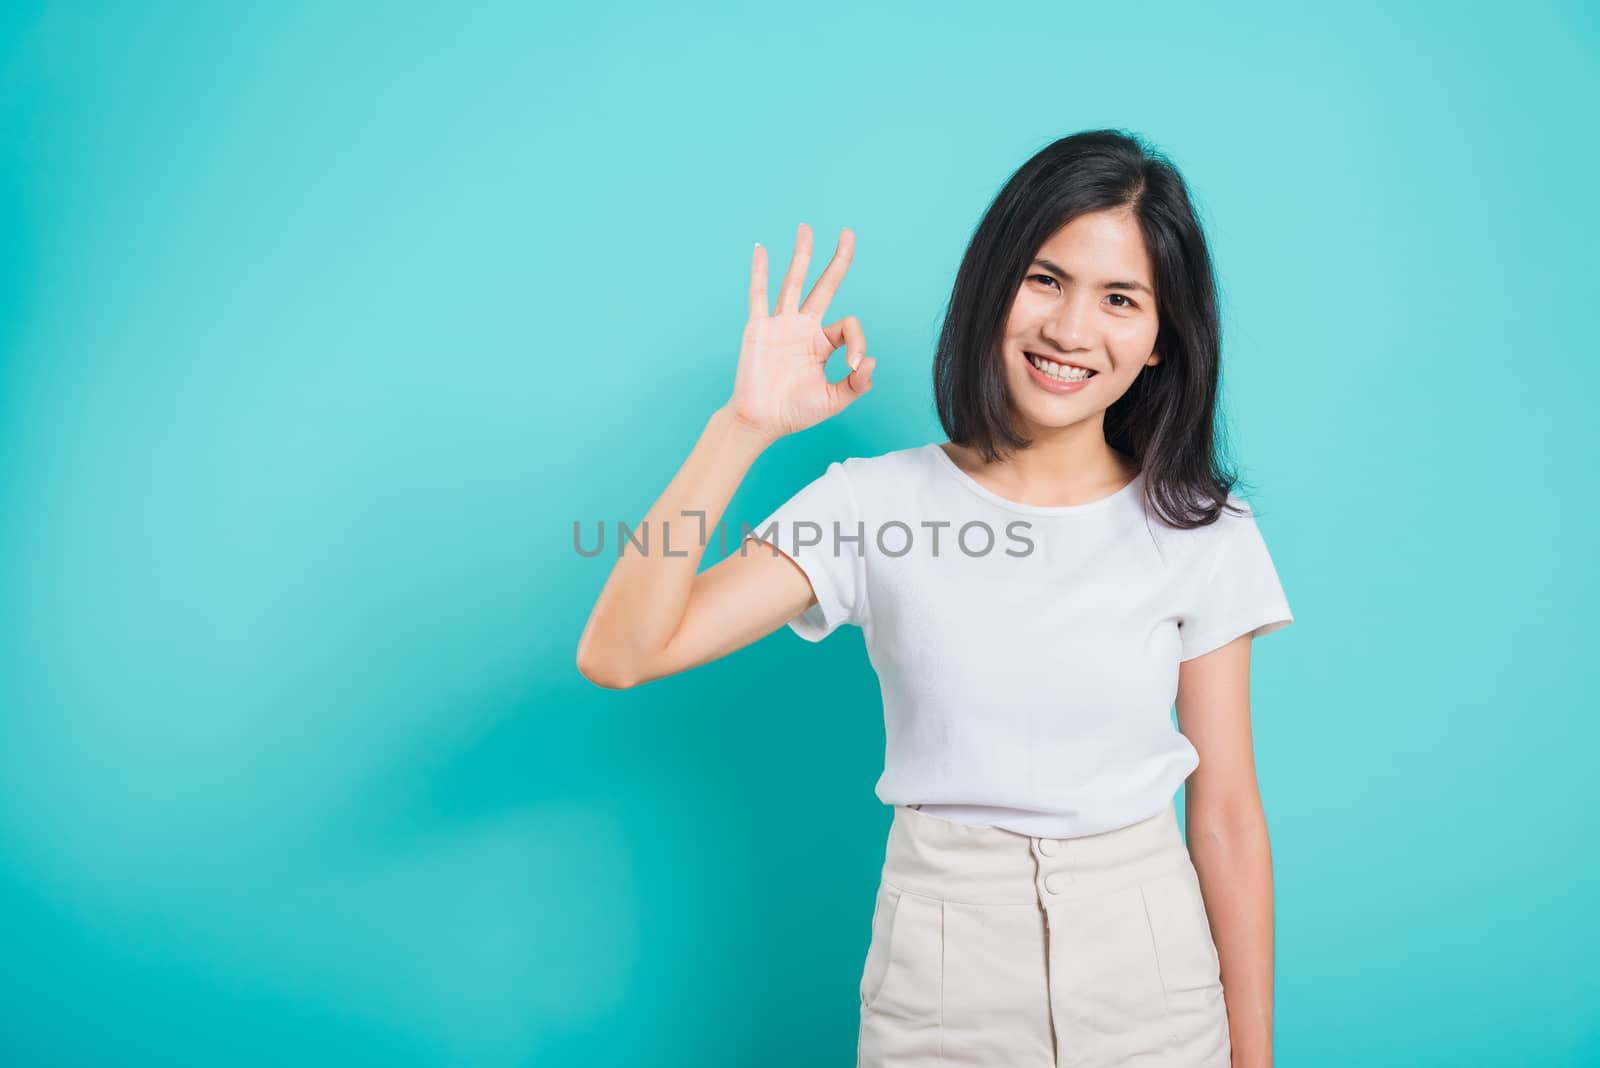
(1036, 594)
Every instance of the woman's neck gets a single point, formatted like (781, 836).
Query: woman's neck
(1050, 474)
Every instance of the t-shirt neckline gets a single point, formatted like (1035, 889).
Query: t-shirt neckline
(943, 459)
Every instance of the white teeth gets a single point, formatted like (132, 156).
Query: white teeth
(1059, 371)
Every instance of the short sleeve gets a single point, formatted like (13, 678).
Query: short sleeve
(1239, 594)
(821, 530)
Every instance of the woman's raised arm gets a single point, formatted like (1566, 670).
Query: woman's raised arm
(656, 616)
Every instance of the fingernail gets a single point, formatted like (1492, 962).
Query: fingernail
(854, 361)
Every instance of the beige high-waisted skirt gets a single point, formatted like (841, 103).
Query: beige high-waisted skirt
(993, 948)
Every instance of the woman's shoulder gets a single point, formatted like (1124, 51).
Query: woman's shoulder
(1233, 522)
(891, 463)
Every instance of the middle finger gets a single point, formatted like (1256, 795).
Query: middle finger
(828, 284)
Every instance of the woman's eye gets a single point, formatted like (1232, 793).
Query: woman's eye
(1126, 303)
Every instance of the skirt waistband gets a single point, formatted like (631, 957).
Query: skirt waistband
(935, 857)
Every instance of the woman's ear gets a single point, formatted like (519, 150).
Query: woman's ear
(1155, 358)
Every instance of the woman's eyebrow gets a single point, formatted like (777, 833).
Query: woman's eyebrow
(1065, 277)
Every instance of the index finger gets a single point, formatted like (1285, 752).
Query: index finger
(828, 284)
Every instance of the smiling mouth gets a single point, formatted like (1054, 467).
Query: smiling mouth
(1065, 372)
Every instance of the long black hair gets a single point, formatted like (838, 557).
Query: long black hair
(1167, 420)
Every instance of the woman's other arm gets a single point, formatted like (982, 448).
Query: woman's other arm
(1227, 836)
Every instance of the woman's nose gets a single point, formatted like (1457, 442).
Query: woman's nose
(1071, 324)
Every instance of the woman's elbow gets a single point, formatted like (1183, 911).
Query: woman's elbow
(607, 676)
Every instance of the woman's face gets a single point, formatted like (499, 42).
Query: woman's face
(1087, 301)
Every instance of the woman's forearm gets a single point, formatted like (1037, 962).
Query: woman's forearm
(645, 596)
(1234, 862)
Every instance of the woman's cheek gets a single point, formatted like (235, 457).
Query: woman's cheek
(1135, 341)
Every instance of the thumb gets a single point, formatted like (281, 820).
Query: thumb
(856, 384)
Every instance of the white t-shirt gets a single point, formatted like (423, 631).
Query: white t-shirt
(1027, 655)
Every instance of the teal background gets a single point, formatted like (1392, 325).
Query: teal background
(319, 329)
